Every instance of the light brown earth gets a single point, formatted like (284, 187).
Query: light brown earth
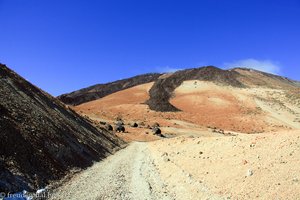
(245, 166)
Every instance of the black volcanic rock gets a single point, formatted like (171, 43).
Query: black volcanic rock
(101, 90)
(41, 139)
(162, 90)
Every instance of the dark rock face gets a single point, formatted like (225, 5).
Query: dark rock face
(41, 139)
(102, 90)
(162, 90)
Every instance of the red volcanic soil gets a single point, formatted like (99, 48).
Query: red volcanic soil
(201, 103)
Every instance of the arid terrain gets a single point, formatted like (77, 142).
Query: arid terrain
(223, 134)
(223, 140)
(265, 104)
(41, 139)
(260, 166)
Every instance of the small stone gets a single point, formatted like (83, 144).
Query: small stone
(295, 180)
(166, 159)
(164, 154)
(249, 172)
(200, 152)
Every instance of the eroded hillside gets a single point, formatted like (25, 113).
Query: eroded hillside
(41, 139)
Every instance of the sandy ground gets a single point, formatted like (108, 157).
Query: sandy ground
(260, 166)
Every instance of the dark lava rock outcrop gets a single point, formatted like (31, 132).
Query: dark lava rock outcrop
(163, 88)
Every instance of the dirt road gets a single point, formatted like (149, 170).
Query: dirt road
(129, 174)
(255, 166)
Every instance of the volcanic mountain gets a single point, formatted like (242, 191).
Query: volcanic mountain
(102, 90)
(42, 139)
(235, 100)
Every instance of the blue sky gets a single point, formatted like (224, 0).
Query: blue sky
(64, 45)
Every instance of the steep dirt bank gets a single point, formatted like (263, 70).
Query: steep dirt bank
(41, 139)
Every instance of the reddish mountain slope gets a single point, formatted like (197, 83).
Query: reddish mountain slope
(240, 100)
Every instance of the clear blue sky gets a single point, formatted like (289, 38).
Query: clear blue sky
(64, 45)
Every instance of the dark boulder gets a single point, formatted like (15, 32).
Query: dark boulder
(108, 127)
(102, 123)
(135, 125)
(156, 130)
(120, 128)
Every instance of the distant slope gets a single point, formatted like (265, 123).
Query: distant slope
(297, 83)
(41, 139)
(165, 84)
(101, 90)
(240, 100)
(163, 89)
(254, 78)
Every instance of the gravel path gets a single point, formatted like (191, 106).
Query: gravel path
(129, 174)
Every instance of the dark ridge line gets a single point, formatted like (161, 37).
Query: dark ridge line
(101, 90)
(162, 90)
